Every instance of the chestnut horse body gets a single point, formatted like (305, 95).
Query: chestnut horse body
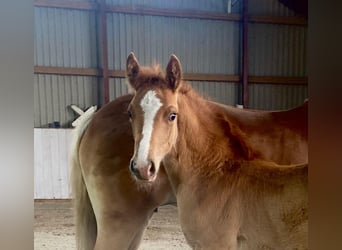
(113, 208)
(222, 163)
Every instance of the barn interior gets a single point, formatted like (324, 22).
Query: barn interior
(250, 53)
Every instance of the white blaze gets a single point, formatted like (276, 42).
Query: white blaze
(150, 104)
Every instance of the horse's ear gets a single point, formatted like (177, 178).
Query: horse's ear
(132, 69)
(174, 72)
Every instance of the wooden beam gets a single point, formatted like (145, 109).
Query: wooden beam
(66, 4)
(186, 76)
(278, 20)
(211, 77)
(189, 76)
(122, 74)
(67, 71)
(117, 73)
(139, 10)
(53, 199)
(278, 80)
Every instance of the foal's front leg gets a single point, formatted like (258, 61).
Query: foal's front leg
(121, 233)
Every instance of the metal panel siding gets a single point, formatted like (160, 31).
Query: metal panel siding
(51, 163)
(276, 97)
(53, 94)
(203, 46)
(256, 7)
(64, 38)
(81, 0)
(236, 6)
(202, 5)
(268, 7)
(222, 92)
(277, 50)
(67, 38)
(117, 87)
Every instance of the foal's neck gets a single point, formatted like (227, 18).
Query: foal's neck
(207, 141)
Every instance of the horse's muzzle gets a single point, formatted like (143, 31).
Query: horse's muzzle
(144, 172)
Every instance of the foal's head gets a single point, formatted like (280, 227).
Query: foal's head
(153, 114)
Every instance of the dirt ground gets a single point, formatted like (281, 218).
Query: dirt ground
(54, 228)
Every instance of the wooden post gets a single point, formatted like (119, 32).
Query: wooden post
(245, 54)
(104, 50)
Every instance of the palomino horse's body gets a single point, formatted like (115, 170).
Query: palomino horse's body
(112, 208)
(229, 194)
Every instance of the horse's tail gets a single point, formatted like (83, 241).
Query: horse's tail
(85, 222)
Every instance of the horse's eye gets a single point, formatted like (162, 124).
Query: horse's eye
(172, 117)
(129, 114)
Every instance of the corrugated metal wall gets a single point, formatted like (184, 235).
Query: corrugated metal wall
(276, 50)
(67, 38)
(63, 38)
(199, 5)
(268, 7)
(276, 97)
(53, 94)
(223, 92)
(203, 46)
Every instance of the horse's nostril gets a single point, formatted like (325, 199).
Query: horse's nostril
(143, 171)
(152, 169)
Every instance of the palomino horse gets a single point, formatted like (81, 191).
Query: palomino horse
(228, 195)
(111, 207)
